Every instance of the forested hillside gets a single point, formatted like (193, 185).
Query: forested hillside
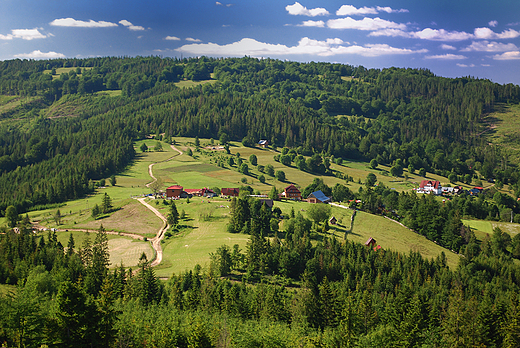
(53, 123)
(65, 124)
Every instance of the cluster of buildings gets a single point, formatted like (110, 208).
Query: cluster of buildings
(291, 192)
(434, 186)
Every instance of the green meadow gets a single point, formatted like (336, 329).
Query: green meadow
(204, 229)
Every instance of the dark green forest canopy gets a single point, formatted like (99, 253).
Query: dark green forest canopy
(58, 132)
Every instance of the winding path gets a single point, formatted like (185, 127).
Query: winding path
(156, 241)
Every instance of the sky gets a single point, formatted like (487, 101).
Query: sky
(452, 38)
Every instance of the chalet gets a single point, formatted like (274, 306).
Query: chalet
(430, 186)
(203, 192)
(263, 143)
(268, 202)
(291, 192)
(371, 242)
(318, 197)
(333, 221)
(174, 191)
(232, 192)
(458, 190)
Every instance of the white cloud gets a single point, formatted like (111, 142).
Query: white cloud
(441, 35)
(375, 50)
(364, 24)
(448, 47)
(493, 46)
(40, 55)
(349, 10)
(24, 34)
(190, 39)
(319, 24)
(513, 55)
(172, 38)
(71, 22)
(493, 24)
(486, 33)
(390, 10)
(306, 45)
(466, 65)
(298, 9)
(448, 56)
(130, 25)
(218, 3)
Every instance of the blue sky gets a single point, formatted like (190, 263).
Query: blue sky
(452, 38)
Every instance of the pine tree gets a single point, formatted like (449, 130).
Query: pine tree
(106, 205)
(173, 216)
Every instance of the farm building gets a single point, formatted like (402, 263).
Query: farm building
(174, 191)
(268, 202)
(430, 186)
(232, 192)
(291, 192)
(263, 143)
(333, 221)
(371, 242)
(203, 192)
(318, 197)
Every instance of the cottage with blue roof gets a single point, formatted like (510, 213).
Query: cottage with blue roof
(318, 197)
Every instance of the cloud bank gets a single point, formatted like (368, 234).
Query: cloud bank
(130, 26)
(329, 47)
(71, 22)
(40, 55)
(298, 9)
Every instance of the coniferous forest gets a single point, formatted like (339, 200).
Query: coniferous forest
(61, 133)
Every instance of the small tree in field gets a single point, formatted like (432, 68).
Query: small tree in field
(143, 147)
(253, 159)
(106, 204)
(173, 215)
(280, 175)
(11, 216)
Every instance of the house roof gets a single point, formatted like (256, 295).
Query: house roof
(192, 190)
(370, 241)
(291, 188)
(430, 183)
(320, 196)
(175, 187)
(268, 202)
(230, 190)
(263, 142)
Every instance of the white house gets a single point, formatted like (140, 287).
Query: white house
(430, 186)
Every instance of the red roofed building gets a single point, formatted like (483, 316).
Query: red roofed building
(371, 242)
(174, 191)
(233, 192)
(292, 192)
(430, 186)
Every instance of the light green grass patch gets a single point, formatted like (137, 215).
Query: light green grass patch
(190, 83)
(199, 238)
(121, 249)
(393, 236)
(481, 227)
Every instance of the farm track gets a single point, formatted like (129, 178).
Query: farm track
(156, 241)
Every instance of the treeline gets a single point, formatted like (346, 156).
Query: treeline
(285, 293)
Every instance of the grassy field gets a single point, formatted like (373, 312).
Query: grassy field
(483, 227)
(503, 129)
(122, 249)
(202, 235)
(388, 234)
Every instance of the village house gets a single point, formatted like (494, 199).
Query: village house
(268, 202)
(231, 192)
(333, 221)
(318, 197)
(430, 186)
(291, 192)
(203, 192)
(174, 191)
(263, 143)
